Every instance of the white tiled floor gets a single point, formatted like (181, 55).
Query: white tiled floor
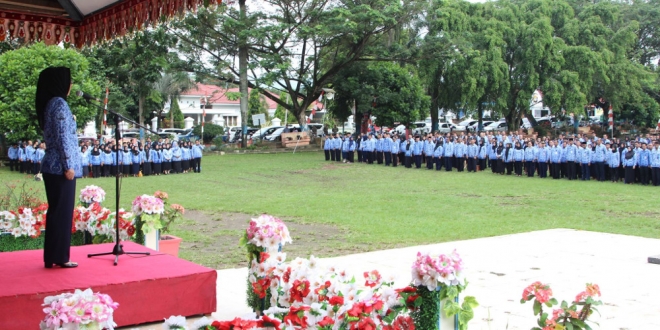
(499, 268)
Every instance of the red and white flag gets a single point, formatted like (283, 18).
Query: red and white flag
(105, 108)
(610, 119)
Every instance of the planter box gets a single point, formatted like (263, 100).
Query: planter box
(169, 244)
(10, 243)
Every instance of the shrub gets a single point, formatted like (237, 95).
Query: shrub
(210, 132)
(541, 130)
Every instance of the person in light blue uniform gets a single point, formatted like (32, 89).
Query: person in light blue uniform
(21, 157)
(449, 154)
(460, 155)
(147, 160)
(327, 147)
(84, 161)
(472, 155)
(629, 161)
(614, 161)
(39, 156)
(599, 159)
(402, 149)
(387, 149)
(368, 150)
(542, 160)
(126, 161)
(136, 160)
(345, 148)
(644, 162)
(655, 164)
(418, 149)
(530, 159)
(438, 151)
(106, 161)
(12, 154)
(95, 161)
(408, 150)
(29, 158)
(197, 154)
(379, 149)
(571, 156)
(429, 147)
(482, 153)
(492, 155)
(518, 157)
(176, 157)
(585, 154)
(331, 145)
(394, 150)
(186, 154)
(156, 160)
(508, 158)
(555, 154)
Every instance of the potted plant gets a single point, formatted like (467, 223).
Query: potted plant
(169, 243)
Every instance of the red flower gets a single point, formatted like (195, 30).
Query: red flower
(130, 230)
(263, 257)
(364, 324)
(408, 289)
(356, 310)
(336, 300)
(268, 322)
(403, 323)
(261, 287)
(287, 275)
(299, 290)
(297, 316)
(372, 278)
(322, 291)
(326, 322)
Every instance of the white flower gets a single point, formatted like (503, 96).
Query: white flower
(175, 322)
(17, 232)
(201, 323)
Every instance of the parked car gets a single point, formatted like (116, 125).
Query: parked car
(187, 137)
(449, 127)
(497, 126)
(421, 128)
(176, 131)
(317, 129)
(276, 135)
(263, 132)
(468, 122)
(475, 125)
(232, 131)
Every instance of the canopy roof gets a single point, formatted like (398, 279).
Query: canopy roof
(84, 22)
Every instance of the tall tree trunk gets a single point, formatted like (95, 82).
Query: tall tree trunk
(243, 67)
(357, 120)
(172, 115)
(141, 101)
(434, 107)
(480, 111)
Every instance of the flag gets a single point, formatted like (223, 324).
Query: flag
(203, 115)
(658, 127)
(610, 119)
(321, 96)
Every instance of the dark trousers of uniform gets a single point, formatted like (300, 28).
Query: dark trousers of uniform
(531, 167)
(571, 170)
(408, 162)
(438, 163)
(630, 175)
(370, 157)
(157, 168)
(471, 165)
(622, 171)
(359, 156)
(351, 156)
(500, 166)
(429, 162)
(338, 155)
(448, 163)
(402, 158)
(518, 165)
(327, 154)
(61, 196)
(655, 176)
(85, 171)
(96, 171)
(146, 168)
(344, 154)
(563, 169)
(482, 164)
(36, 168)
(644, 174)
(395, 157)
(614, 174)
(106, 170)
(543, 170)
(460, 164)
(638, 176)
(25, 167)
(585, 172)
(388, 158)
(418, 161)
(600, 171)
(607, 171)
(509, 168)
(176, 166)
(13, 164)
(379, 157)
(332, 155)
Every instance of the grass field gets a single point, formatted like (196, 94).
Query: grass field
(374, 207)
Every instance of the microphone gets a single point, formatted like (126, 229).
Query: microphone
(87, 97)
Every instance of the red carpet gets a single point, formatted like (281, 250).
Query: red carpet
(147, 288)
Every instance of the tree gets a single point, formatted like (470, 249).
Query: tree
(170, 86)
(177, 116)
(256, 104)
(281, 111)
(19, 75)
(296, 47)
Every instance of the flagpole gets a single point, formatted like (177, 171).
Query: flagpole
(105, 110)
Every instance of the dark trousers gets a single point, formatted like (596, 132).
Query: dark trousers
(344, 154)
(36, 168)
(408, 162)
(500, 166)
(438, 163)
(482, 164)
(338, 155)
(13, 164)
(585, 172)
(402, 158)
(448, 161)
(614, 174)
(395, 157)
(96, 171)
(493, 165)
(600, 171)
(106, 170)
(531, 168)
(460, 164)
(388, 158)
(359, 156)
(370, 157)
(655, 176)
(518, 166)
(429, 162)
(571, 170)
(146, 168)
(332, 155)
(198, 165)
(351, 156)
(471, 165)
(418, 161)
(61, 196)
(543, 170)
(644, 174)
(379, 157)
(85, 171)
(630, 175)
(327, 155)
(509, 168)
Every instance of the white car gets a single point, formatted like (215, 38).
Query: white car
(449, 127)
(421, 128)
(263, 132)
(475, 125)
(175, 131)
(497, 126)
(275, 136)
(468, 122)
(232, 131)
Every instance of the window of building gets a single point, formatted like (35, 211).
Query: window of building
(230, 120)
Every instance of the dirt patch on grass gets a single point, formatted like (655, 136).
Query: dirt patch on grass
(211, 239)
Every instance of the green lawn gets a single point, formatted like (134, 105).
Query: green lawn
(377, 206)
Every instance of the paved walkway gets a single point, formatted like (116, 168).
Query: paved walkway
(499, 268)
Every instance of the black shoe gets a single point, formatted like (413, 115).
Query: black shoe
(62, 265)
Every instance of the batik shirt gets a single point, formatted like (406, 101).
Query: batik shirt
(61, 140)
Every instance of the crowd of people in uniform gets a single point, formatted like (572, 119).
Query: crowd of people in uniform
(105, 159)
(577, 157)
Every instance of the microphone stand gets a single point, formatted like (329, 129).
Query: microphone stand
(118, 248)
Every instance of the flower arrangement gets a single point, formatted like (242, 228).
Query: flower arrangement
(149, 210)
(267, 232)
(92, 194)
(99, 222)
(78, 310)
(568, 316)
(24, 221)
